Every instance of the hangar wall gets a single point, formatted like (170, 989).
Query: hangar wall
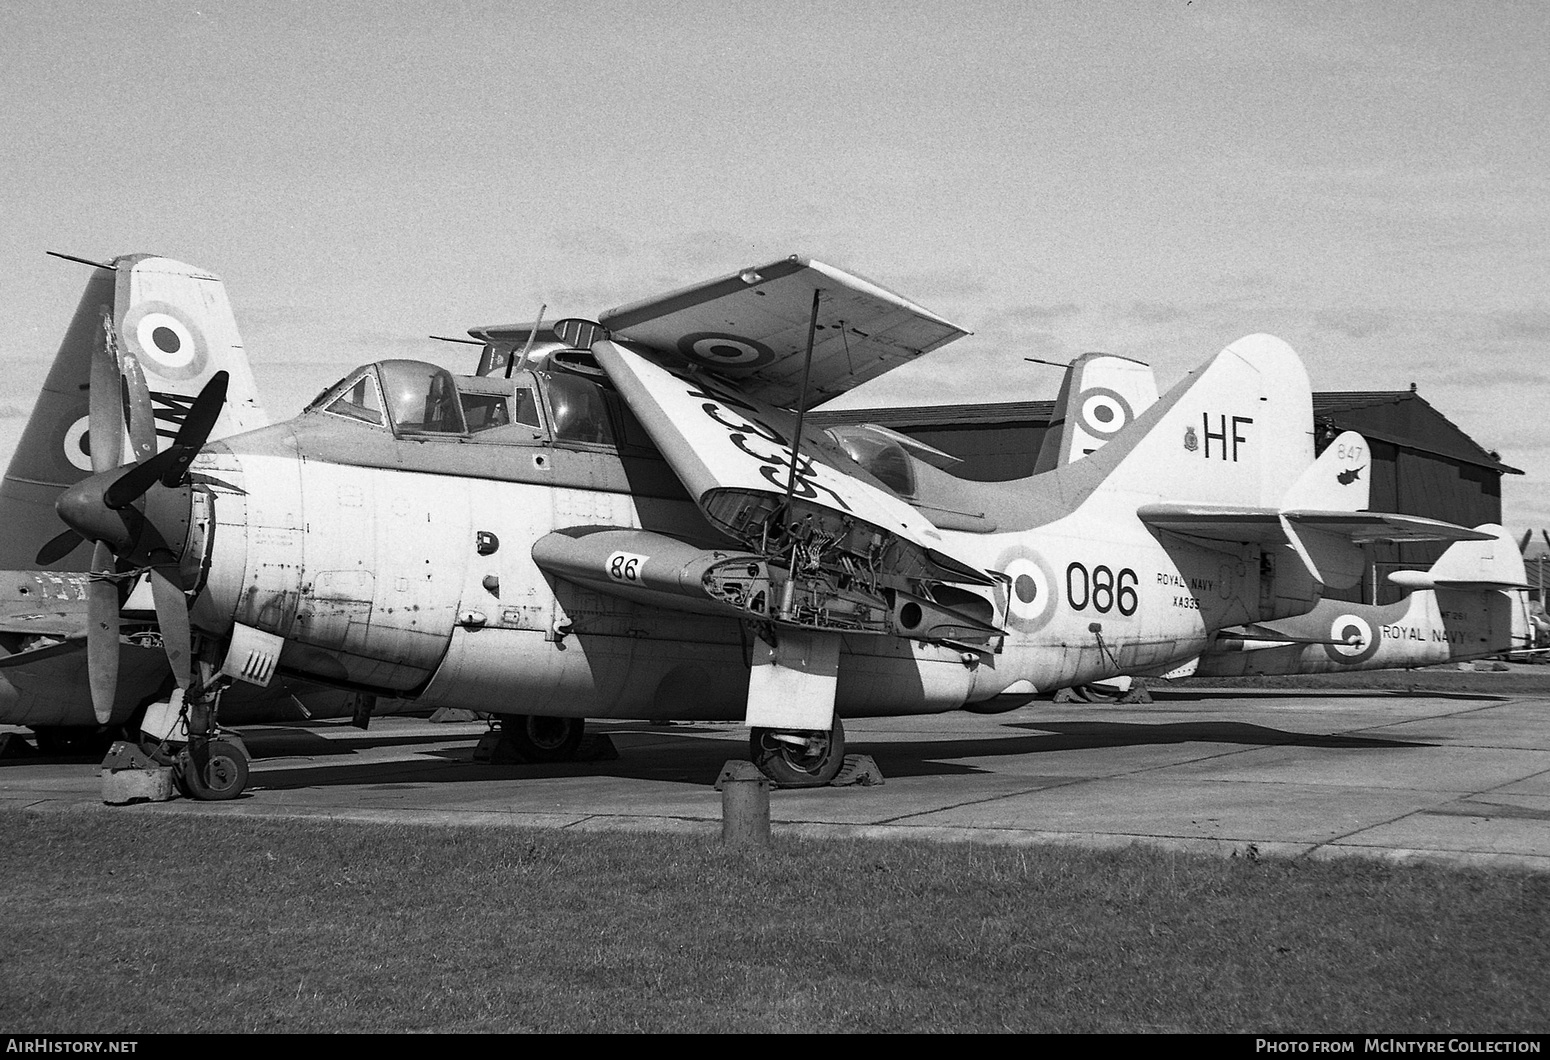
(1422, 464)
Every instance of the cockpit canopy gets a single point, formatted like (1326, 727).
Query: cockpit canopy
(418, 400)
(421, 398)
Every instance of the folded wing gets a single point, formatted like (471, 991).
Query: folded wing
(752, 327)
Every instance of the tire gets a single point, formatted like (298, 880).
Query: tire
(540, 738)
(791, 766)
(224, 776)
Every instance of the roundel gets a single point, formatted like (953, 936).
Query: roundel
(77, 446)
(167, 342)
(1102, 411)
(1030, 589)
(716, 350)
(1357, 643)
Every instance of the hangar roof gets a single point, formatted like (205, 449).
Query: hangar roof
(1400, 417)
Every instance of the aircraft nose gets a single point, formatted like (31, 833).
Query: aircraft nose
(84, 509)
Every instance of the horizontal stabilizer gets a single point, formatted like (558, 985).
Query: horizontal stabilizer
(1478, 564)
(1328, 542)
(1222, 522)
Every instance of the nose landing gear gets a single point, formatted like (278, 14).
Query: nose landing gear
(212, 770)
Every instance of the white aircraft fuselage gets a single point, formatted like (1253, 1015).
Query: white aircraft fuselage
(404, 566)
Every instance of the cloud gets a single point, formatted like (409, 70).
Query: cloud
(1352, 322)
(11, 412)
(598, 240)
(1523, 324)
(1466, 376)
(1038, 314)
(1155, 312)
(386, 343)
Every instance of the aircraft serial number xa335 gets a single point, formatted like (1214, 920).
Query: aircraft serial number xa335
(633, 522)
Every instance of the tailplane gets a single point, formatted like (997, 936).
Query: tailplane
(1494, 563)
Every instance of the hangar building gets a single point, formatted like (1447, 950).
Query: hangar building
(1422, 464)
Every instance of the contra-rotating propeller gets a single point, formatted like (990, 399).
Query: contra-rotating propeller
(137, 518)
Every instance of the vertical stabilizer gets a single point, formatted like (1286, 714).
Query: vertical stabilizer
(178, 323)
(1100, 396)
(1233, 433)
(1338, 481)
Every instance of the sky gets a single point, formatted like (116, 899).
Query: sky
(1369, 182)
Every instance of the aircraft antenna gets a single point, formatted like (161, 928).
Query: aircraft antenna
(513, 363)
(83, 261)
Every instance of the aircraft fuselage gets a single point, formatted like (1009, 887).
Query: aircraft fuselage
(404, 567)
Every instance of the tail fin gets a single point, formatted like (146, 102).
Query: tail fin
(1233, 433)
(1100, 395)
(178, 322)
(1338, 481)
(1472, 565)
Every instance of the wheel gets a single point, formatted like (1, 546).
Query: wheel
(812, 763)
(223, 776)
(1094, 694)
(539, 738)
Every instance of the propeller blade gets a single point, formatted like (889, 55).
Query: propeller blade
(57, 548)
(132, 484)
(102, 635)
(105, 419)
(196, 428)
(1528, 535)
(204, 412)
(172, 617)
(138, 412)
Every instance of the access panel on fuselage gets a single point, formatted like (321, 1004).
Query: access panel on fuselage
(383, 563)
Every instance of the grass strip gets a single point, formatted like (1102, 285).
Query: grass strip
(124, 924)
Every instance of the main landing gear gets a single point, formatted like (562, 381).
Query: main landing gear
(807, 759)
(538, 738)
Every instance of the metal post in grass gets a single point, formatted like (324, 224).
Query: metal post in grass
(745, 805)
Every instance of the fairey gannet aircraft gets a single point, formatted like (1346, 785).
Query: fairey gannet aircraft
(634, 527)
(160, 330)
(1472, 603)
